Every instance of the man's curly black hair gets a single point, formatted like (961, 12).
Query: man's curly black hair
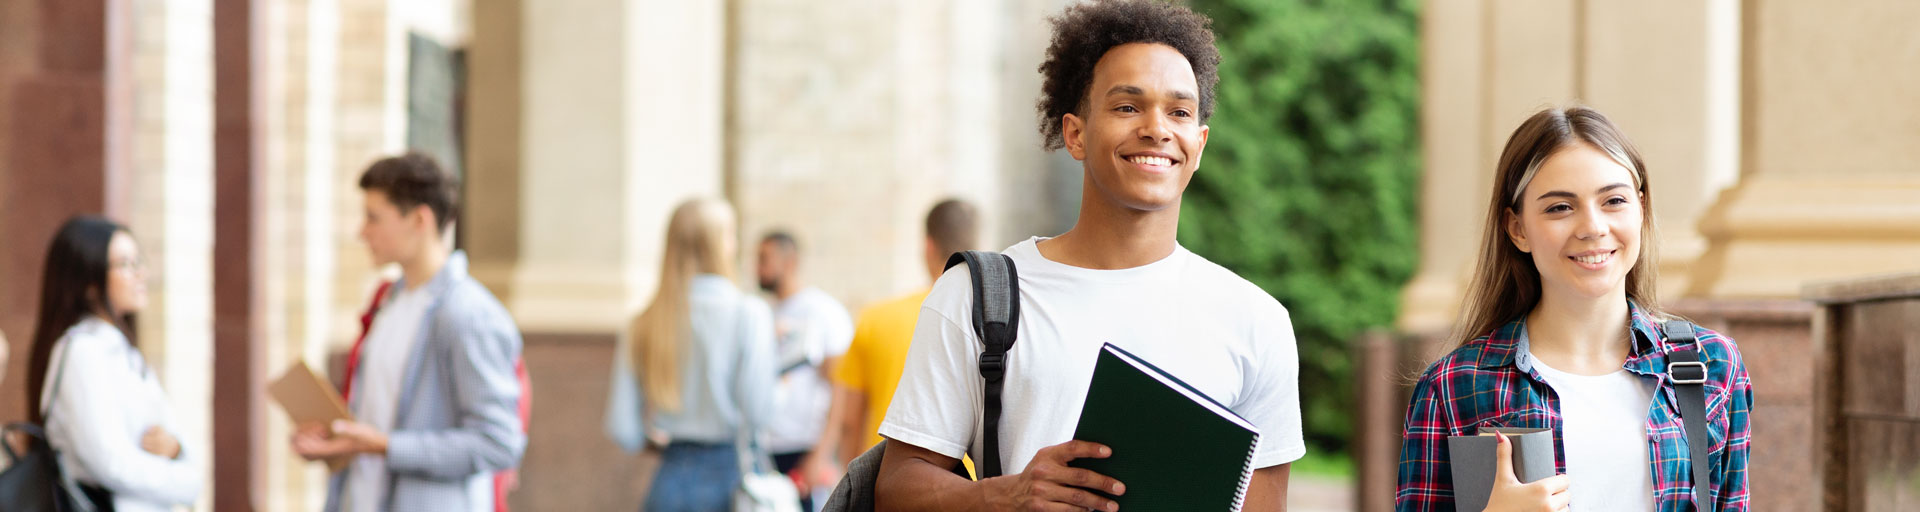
(1083, 33)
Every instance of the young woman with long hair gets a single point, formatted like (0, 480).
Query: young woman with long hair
(1562, 329)
(696, 368)
(101, 404)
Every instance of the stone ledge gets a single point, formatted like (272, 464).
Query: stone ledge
(1883, 287)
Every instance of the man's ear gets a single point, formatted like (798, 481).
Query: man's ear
(1515, 234)
(1072, 131)
(423, 219)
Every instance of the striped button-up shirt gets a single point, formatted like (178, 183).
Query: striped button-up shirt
(1491, 382)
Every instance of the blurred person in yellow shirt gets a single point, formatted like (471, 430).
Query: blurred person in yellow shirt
(864, 377)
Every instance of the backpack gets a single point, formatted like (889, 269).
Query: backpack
(34, 479)
(996, 319)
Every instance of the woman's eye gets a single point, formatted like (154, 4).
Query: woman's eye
(1616, 200)
(1562, 207)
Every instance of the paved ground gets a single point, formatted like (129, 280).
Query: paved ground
(1309, 493)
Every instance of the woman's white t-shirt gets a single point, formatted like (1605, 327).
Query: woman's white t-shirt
(1188, 316)
(1604, 430)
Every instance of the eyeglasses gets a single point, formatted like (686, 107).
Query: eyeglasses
(128, 265)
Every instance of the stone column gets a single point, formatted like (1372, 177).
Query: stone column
(590, 120)
(495, 128)
(65, 111)
(672, 64)
(1453, 62)
(620, 119)
(1828, 183)
(237, 290)
(1666, 74)
(172, 205)
(853, 127)
(1492, 63)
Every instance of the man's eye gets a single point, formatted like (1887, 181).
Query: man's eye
(1182, 113)
(1125, 108)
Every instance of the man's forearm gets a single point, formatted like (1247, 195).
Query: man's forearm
(912, 484)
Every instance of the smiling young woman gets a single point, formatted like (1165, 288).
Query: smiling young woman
(1560, 330)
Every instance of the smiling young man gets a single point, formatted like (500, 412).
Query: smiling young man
(1128, 89)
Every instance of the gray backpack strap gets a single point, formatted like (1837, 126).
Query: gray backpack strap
(996, 318)
(1688, 374)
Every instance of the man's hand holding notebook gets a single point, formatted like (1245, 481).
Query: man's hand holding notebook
(310, 400)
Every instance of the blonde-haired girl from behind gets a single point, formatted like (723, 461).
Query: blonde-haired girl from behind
(695, 367)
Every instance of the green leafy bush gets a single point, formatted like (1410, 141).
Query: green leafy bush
(1310, 177)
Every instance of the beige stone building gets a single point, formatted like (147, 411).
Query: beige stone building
(229, 134)
(1781, 137)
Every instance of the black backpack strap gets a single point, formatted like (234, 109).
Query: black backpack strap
(996, 318)
(1688, 373)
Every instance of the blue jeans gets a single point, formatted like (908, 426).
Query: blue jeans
(694, 477)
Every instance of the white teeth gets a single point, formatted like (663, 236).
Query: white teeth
(1593, 259)
(1151, 160)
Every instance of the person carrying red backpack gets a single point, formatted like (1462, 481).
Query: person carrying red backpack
(435, 385)
(503, 482)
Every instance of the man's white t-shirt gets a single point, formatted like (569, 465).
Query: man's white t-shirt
(810, 327)
(1188, 316)
(1604, 423)
(383, 365)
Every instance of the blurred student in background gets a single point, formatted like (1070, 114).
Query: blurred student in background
(864, 378)
(811, 331)
(694, 370)
(433, 387)
(87, 383)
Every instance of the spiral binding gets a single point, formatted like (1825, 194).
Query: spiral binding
(1246, 475)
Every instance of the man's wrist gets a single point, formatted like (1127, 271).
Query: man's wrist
(377, 445)
(986, 493)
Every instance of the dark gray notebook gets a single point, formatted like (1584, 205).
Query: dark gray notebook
(1472, 458)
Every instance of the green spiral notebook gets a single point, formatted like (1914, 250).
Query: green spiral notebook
(1173, 447)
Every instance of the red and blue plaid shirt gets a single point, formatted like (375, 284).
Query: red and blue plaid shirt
(1491, 382)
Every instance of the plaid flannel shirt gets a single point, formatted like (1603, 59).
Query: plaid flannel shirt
(1490, 381)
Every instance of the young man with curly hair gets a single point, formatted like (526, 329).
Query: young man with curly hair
(1128, 90)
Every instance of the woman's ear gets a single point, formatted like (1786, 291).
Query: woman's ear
(1515, 234)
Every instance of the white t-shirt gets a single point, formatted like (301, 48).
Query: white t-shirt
(376, 390)
(810, 328)
(1604, 431)
(1186, 315)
